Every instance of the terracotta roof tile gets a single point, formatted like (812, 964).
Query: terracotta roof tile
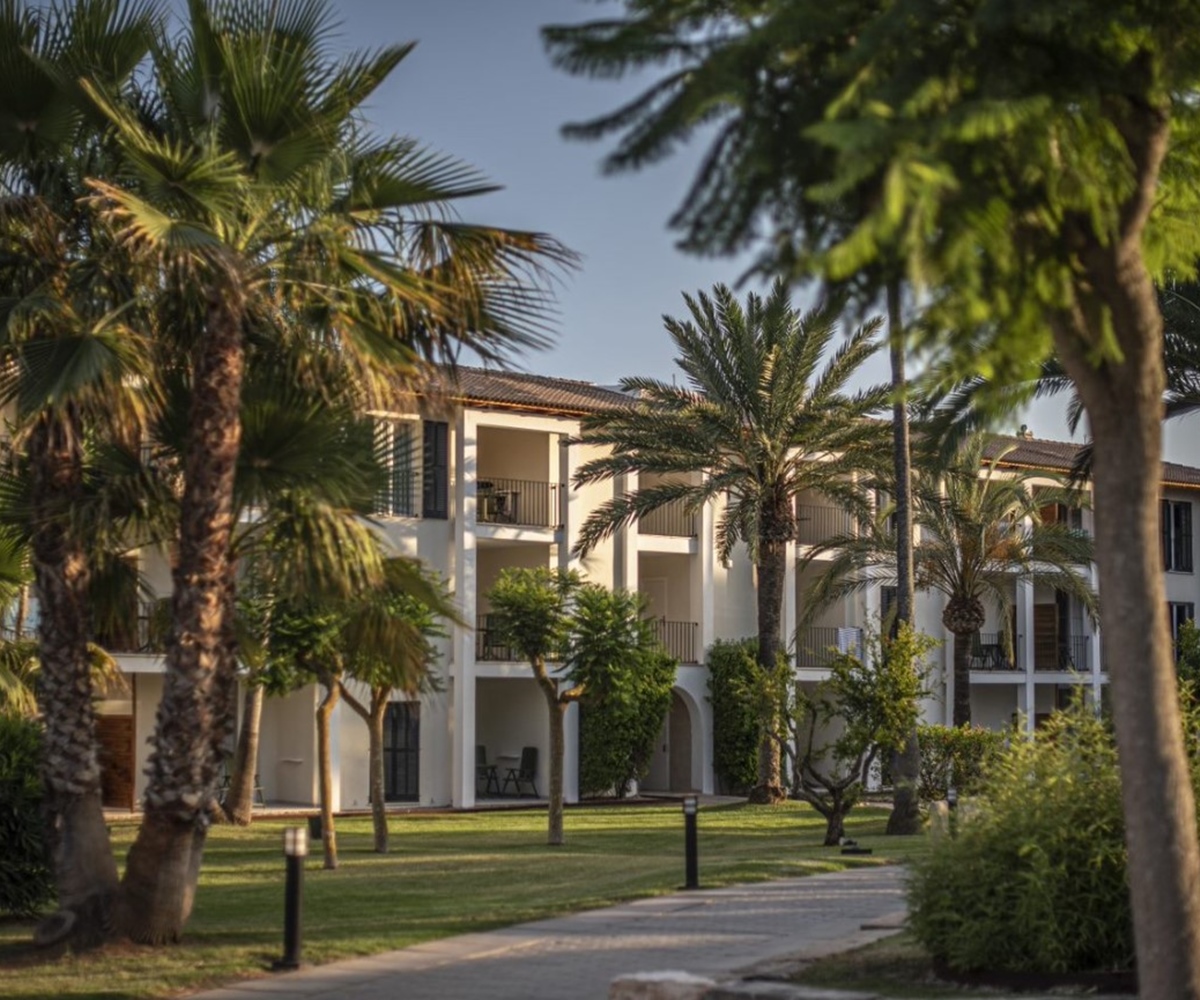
(1060, 455)
(540, 393)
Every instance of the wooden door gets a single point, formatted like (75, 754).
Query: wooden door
(402, 751)
(1045, 636)
(114, 733)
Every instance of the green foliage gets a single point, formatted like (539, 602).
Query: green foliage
(955, 755)
(1035, 880)
(1188, 653)
(531, 610)
(25, 878)
(731, 669)
(627, 679)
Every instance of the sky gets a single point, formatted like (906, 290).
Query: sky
(480, 87)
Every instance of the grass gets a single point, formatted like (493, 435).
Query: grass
(896, 966)
(447, 874)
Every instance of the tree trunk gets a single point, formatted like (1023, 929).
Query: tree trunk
(1123, 399)
(194, 718)
(905, 819)
(775, 529)
(239, 801)
(325, 771)
(556, 707)
(379, 704)
(962, 678)
(835, 825)
(85, 871)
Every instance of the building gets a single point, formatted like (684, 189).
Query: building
(481, 483)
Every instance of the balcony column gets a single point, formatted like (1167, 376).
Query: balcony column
(625, 540)
(571, 751)
(465, 583)
(789, 598)
(703, 595)
(1092, 631)
(1023, 647)
(570, 505)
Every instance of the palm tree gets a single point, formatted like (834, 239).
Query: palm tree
(270, 211)
(757, 422)
(980, 528)
(70, 361)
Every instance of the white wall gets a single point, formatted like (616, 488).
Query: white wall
(511, 713)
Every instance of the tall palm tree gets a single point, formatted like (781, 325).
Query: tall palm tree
(757, 422)
(271, 211)
(70, 360)
(980, 528)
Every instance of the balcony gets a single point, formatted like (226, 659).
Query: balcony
(816, 646)
(490, 647)
(521, 502)
(678, 638)
(1065, 653)
(143, 632)
(817, 523)
(989, 651)
(671, 519)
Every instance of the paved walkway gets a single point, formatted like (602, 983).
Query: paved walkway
(714, 932)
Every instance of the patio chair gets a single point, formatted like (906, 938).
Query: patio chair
(486, 772)
(525, 773)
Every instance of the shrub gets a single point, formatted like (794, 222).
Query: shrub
(1036, 878)
(959, 754)
(732, 667)
(25, 878)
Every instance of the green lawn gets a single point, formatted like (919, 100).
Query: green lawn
(447, 874)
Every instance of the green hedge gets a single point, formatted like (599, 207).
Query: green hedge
(963, 753)
(1035, 880)
(732, 668)
(25, 878)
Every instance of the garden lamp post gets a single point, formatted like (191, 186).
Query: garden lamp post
(295, 849)
(691, 805)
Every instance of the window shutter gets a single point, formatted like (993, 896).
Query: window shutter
(1183, 536)
(435, 468)
(1164, 507)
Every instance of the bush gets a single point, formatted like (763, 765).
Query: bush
(25, 879)
(1036, 878)
(963, 754)
(732, 667)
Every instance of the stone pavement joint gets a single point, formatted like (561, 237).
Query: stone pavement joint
(760, 929)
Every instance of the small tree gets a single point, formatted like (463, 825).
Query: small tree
(875, 701)
(627, 678)
(532, 610)
(732, 667)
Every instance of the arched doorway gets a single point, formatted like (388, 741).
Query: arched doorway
(671, 764)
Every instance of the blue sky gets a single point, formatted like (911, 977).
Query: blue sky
(479, 86)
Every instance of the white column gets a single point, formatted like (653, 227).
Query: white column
(703, 586)
(789, 596)
(571, 752)
(1023, 647)
(1097, 665)
(465, 584)
(335, 757)
(625, 541)
(566, 458)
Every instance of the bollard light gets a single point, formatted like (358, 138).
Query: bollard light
(952, 806)
(691, 805)
(295, 850)
(952, 798)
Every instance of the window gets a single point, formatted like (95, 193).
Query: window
(1179, 612)
(395, 450)
(435, 470)
(1177, 535)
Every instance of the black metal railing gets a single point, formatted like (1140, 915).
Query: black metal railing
(143, 632)
(491, 646)
(671, 519)
(990, 651)
(1066, 653)
(524, 502)
(817, 645)
(818, 523)
(678, 638)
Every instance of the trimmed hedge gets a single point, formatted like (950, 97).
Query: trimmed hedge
(963, 754)
(732, 668)
(26, 883)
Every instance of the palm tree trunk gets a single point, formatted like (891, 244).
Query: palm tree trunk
(85, 871)
(194, 717)
(325, 771)
(556, 709)
(1124, 406)
(905, 819)
(379, 704)
(774, 531)
(239, 801)
(962, 678)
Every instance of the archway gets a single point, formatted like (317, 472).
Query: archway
(671, 766)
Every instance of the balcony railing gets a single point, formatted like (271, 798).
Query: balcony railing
(522, 502)
(1066, 653)
(678, 638)
(671, 519)
(816, 646)
(144, 632)
(817, 523)
(490, 646)
(990, 651)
